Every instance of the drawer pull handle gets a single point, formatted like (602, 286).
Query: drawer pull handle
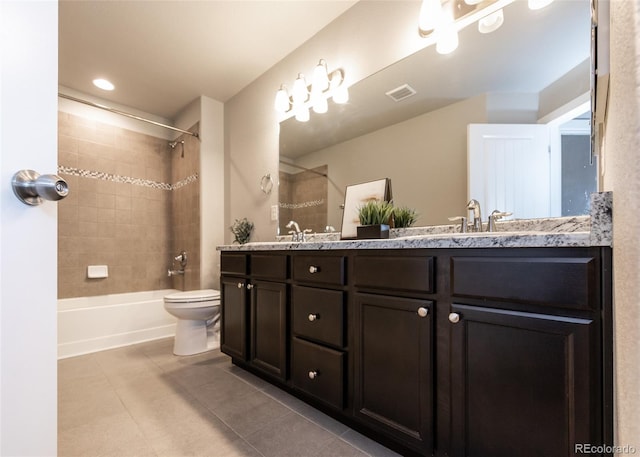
(423, 312)
(249, 286)
(240, 285)
(313, 317)
(313, 269)
(313, 374)
(454, 318)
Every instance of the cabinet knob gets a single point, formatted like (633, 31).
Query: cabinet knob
(313, 317)
(313, 374)
(422, 311)
(454, 318)
(249, 286)
(313, 269)
(240, 285)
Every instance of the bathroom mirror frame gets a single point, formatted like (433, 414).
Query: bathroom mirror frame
(591, 12)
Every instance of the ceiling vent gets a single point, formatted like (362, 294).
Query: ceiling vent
(400, 93)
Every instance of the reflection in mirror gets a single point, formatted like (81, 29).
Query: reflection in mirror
(535, 69)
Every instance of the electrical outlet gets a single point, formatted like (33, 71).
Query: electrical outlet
(274, 212)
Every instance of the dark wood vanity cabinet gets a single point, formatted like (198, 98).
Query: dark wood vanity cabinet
(393, 333)
(445, 352)
(528, 363)
(319, 353)
(254, 311)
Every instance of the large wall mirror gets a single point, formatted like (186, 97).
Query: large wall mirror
(534, 70)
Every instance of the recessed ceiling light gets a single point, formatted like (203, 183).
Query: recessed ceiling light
(103, 84)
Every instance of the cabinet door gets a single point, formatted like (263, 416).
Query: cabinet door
(393, 382)
(522, 384)
(268, 327)
(233, 317)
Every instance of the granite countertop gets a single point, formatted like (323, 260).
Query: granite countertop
(594, 229)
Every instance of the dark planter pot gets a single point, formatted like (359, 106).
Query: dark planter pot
(368, 232)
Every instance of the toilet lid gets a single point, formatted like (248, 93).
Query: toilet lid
(192, 296)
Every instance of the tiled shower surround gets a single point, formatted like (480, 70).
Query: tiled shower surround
(133, 205)
(303, 198)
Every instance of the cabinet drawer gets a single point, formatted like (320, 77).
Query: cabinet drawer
(394, 272)
(269, 266)
(318, 314)
(233, 263)
(564, 282)
(318, 371)
(319, 269)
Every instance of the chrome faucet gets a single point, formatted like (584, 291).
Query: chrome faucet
(474, 206)
(297, 234)
(495, 216)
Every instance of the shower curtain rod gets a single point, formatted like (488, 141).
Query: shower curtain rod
(122, 113)
(304, 168)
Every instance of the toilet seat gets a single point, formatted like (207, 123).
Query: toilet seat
(193, 296)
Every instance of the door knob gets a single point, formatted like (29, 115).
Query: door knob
(423, 312)
(312, 317)
(313, 374)
(31, 187)
(454, 318)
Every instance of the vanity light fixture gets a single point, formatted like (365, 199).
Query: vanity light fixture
(441, 20)
(492, 22)
(324, 85)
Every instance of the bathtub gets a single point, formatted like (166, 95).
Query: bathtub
(90, 324)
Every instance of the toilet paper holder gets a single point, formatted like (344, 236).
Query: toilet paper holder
(32, 188)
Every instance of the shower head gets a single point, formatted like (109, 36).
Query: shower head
(173, 145)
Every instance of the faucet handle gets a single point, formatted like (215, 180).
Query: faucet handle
(495, 216)
(463, 222)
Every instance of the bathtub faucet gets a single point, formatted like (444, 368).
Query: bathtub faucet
(175, 272)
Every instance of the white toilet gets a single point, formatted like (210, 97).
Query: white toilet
(198, 312)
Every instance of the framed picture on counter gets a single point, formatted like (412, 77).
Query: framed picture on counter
(355, 196)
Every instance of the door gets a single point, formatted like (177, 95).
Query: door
(233, 312)
(269, 327)
(522, 384)
(393, 385)
(28, 235)
(509, 168)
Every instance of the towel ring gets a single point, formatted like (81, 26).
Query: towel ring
(266, 184)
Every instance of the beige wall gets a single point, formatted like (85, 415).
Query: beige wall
(622, 176)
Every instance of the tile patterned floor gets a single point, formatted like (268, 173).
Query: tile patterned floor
(142, 401)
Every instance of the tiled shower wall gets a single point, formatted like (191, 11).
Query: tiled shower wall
(119, 209)
(303, 198)
(185, 209)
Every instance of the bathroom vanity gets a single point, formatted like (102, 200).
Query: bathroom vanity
(447, 344)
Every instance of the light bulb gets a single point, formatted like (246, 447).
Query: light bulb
(491, 22)
(320, 105)
(341, 94)
(302, 114)
(538, 4)
(320, 77)
(282, 104)
(299, 92)
(446, 35)
(430, 15)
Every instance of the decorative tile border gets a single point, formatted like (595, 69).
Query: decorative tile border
(71, 171)
(308, 204)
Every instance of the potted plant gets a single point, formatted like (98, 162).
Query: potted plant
(374, 218)
(404, 217)
(241, 229)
